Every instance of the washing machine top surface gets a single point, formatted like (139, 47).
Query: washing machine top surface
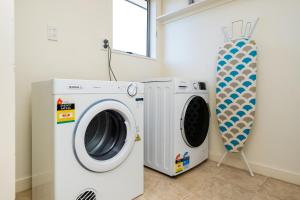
(73, 86)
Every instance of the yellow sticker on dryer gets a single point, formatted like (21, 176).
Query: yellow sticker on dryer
(65, 112)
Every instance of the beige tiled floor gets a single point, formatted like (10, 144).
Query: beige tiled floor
(207, 182)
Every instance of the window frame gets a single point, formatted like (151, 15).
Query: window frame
(148, 50)
(148, 33)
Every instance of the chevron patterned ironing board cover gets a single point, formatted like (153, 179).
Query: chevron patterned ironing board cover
(236, 92)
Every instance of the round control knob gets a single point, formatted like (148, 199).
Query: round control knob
(132, 89)
(195, 85)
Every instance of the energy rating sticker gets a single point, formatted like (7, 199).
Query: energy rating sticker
(179, 167)
(182, 163)
(65, 112)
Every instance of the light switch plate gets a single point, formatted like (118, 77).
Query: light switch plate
(52, 33)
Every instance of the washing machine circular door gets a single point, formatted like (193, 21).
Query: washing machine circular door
(195, 121)
(104, 136)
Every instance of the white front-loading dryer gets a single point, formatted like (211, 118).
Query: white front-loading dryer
(87, 140)
(176, 124)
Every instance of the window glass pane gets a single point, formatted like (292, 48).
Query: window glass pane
(130, 26)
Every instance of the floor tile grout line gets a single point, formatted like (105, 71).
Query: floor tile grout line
(260, 187)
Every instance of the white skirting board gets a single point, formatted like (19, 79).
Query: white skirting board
(23, 184)
(236, 161)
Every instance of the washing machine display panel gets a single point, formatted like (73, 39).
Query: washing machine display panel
(195, 121)
(105, 135)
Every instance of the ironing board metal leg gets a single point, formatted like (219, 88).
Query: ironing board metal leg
(246, 161)
(222, 158)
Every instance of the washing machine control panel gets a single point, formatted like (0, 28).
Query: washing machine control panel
(190, 86)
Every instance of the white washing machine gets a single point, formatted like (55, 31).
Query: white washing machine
(176, 124)
(86, 140)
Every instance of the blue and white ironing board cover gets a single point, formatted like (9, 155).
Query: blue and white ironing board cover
(236, 92)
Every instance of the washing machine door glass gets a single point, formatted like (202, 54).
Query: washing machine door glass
(195, 121)
(105, 136)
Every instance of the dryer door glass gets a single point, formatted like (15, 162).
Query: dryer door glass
(105, 135)
(195, 121)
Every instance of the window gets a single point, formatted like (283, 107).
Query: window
(131, 22)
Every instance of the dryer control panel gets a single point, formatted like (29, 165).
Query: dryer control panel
(69, 86)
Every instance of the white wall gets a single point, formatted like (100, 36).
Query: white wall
(190, 49)
(7, 101)
(82, 25)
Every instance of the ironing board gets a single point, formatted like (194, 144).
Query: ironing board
(236, 92)
(236, 87)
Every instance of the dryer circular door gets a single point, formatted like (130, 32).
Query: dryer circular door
(195, 121)
(104, 136)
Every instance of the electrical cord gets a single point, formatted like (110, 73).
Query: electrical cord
(110, 70)
(108, 62)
